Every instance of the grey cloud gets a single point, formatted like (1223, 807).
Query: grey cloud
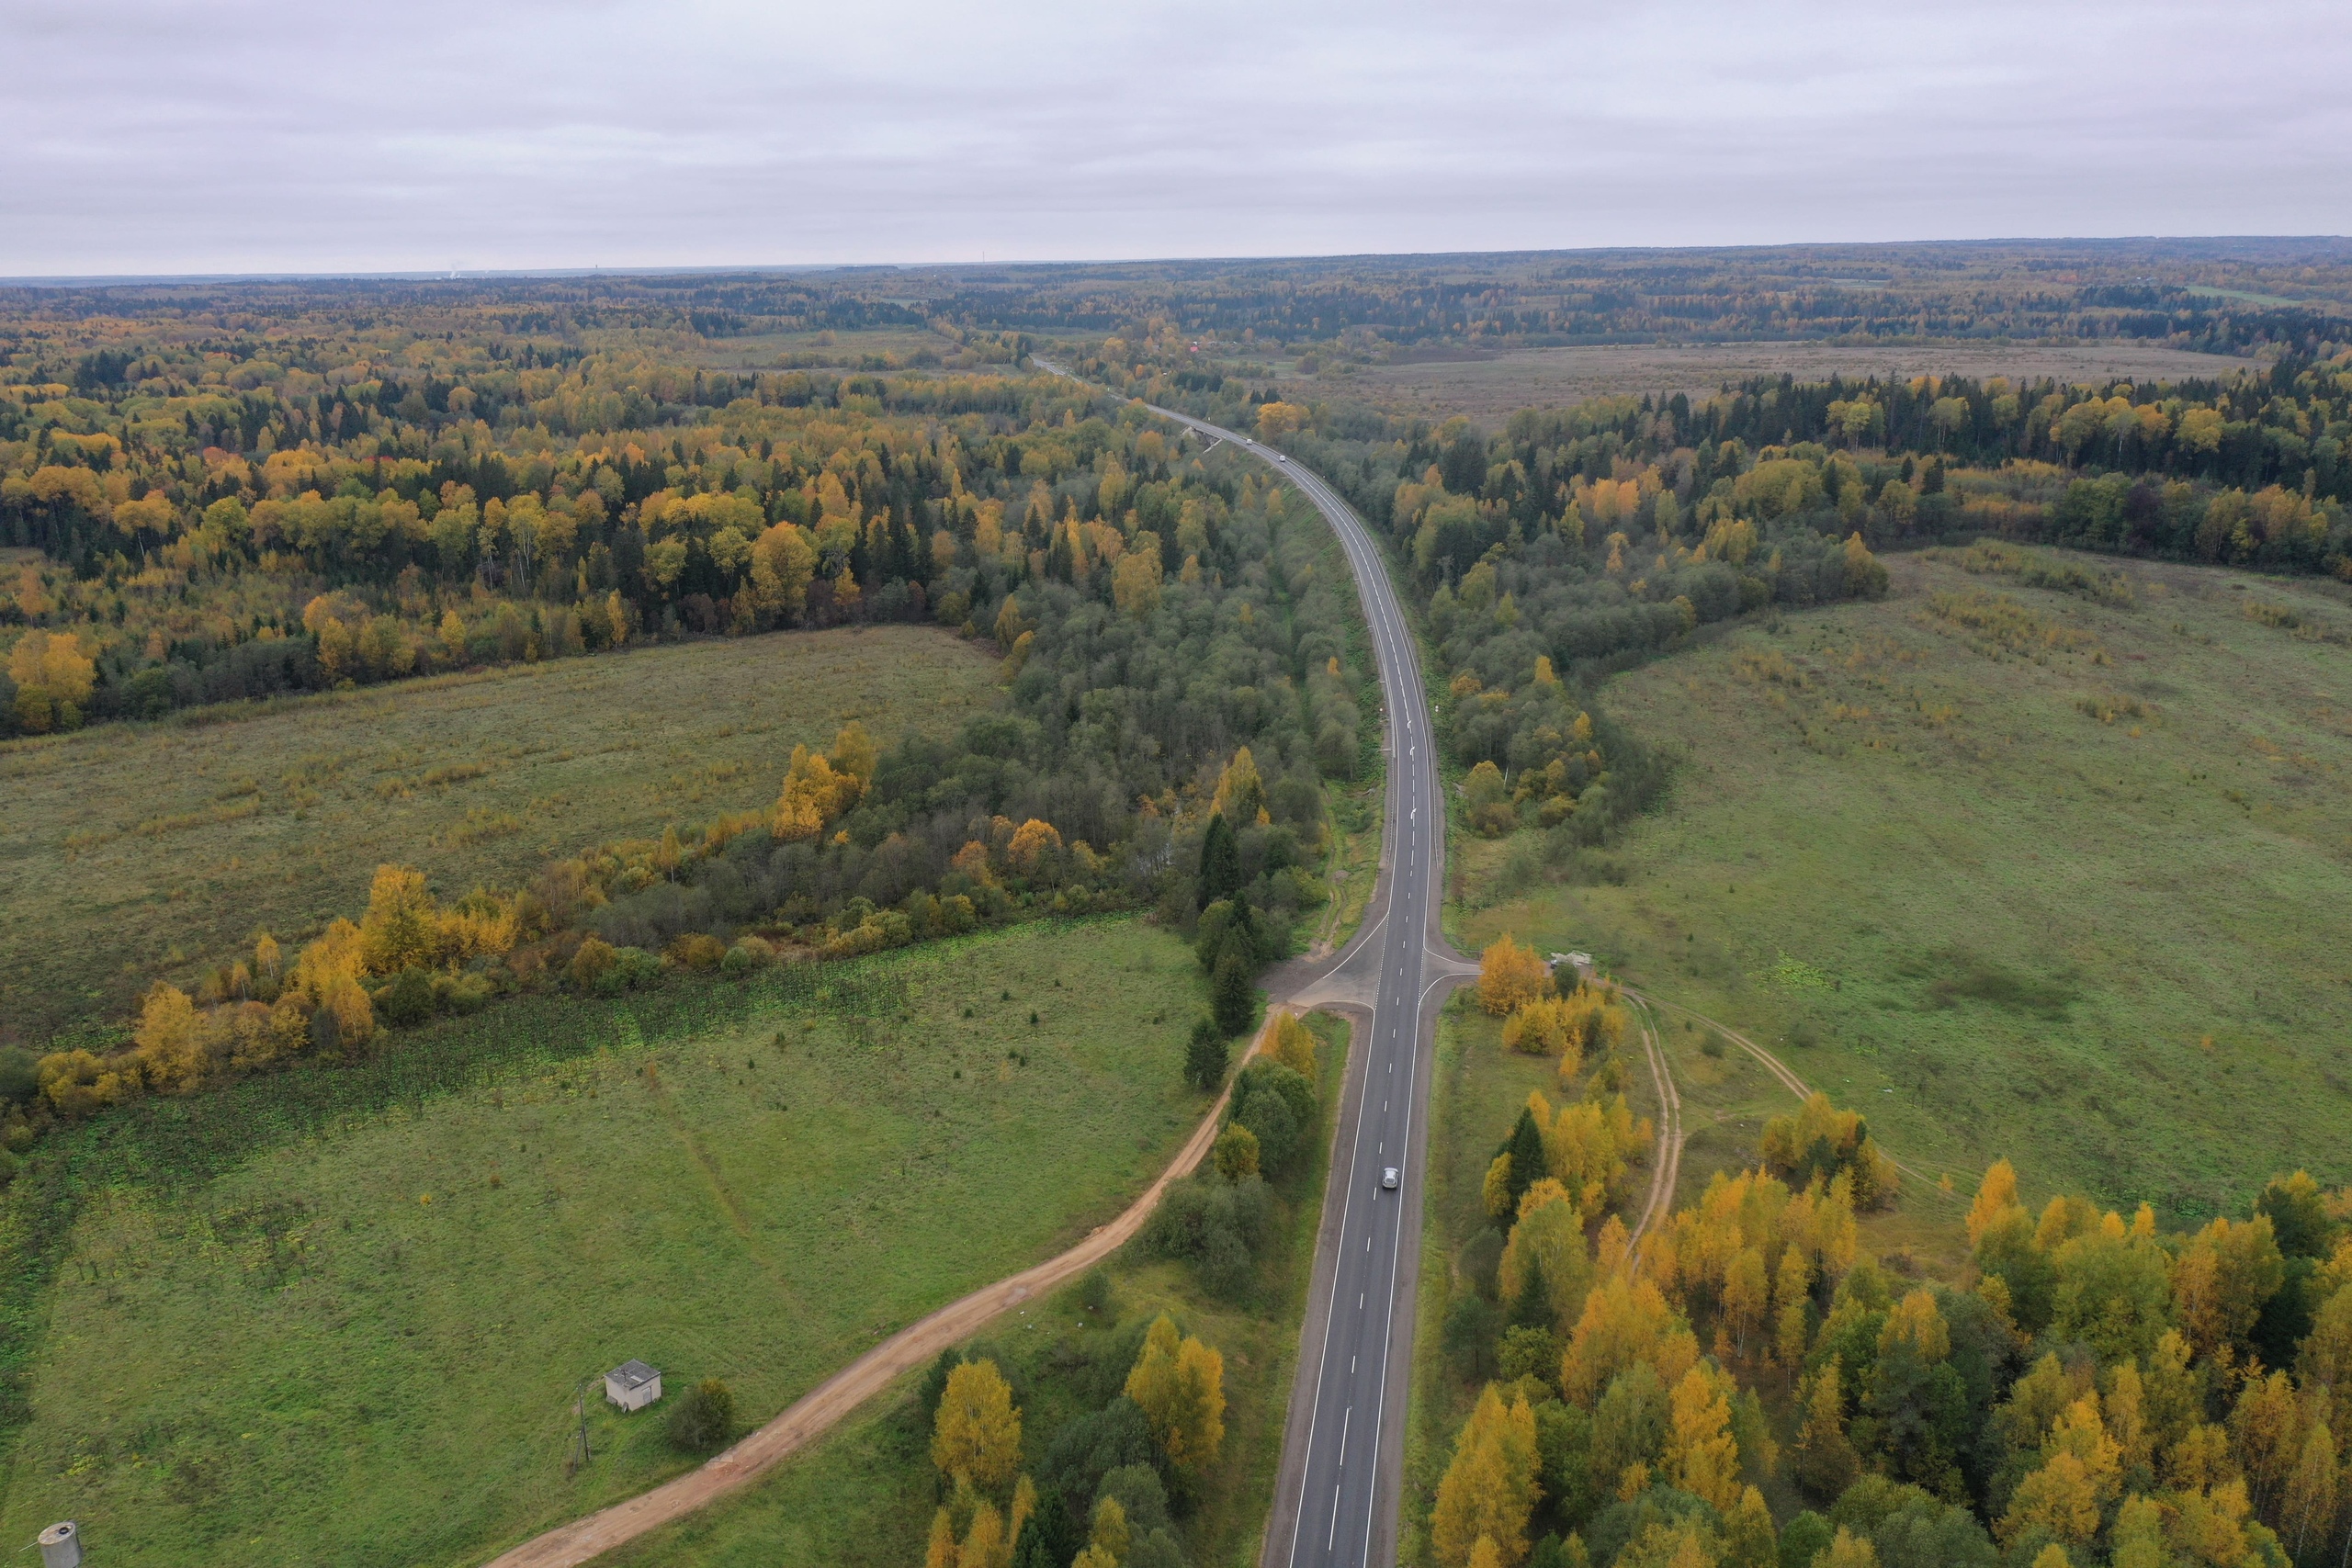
(156, 137)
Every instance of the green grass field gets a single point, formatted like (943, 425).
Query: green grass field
(2051, 875)
(134, 851)
(336, 1317)
(863, 1497)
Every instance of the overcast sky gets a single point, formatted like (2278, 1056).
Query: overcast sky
(170, 136)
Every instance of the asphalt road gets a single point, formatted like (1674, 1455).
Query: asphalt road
(1337, 1498)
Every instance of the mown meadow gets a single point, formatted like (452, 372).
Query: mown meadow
(2044, 859)
(135, 850)
(339, 1316)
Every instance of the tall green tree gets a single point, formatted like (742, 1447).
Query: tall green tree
(1204, 1056)
(1233, 993)
(1220, 862)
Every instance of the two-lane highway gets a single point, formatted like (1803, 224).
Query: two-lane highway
(1342, 1457)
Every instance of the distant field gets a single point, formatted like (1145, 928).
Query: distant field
(338, 1317)
(1492, 390)
(2078, 900)
(863, 1497)
(133, 849)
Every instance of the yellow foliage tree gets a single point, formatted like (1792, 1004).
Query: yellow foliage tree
(1109, 1531)
(2223, 1277)
(54, 662)
(986, 1544)
(1509, 976)
(1135, 584)
(977, 1435)
(1180, 1384)
(171, 1040)
(1031, 842)
(1280, 419)
(1624, 1321)
(1917, 1321)
(1240, 793)
(1702, 1455)
(1587, 1144)
(1236, 1153)
(1826, 1461)
(1293, 1045)
(783, 562)
(1495, 1191)
(1847, 1549)
(1544, 1026)
(1997, 1198)
(1489, 1489)
(402, 928)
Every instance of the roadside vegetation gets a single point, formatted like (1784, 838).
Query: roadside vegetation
(1084, 1396)
(408, 1264)
(1498, 1114)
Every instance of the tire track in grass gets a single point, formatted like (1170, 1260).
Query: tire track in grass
(1667, 1168)
(1780, 1071)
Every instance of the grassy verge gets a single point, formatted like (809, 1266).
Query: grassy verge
(133, 847)
(339, 1317)
(863, 1497)
(2015, 871)
(1352, 868)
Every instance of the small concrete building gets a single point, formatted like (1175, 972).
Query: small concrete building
(633, 1385)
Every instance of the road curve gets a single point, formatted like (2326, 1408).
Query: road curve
(1343, 1446)
(1336, 1497)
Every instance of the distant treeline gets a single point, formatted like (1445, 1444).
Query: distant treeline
(2218, 295)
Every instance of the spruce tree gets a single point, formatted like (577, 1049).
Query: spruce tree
(1205, 1056)
(1220, 862)
(1233, 992)
(1528, 1165)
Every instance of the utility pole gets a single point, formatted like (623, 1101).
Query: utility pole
(580, 1410)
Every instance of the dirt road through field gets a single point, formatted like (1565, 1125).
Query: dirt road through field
(817, 1411)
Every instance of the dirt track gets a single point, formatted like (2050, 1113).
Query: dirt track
(816, 1412)
(1666, 1169)
(1772, 1065)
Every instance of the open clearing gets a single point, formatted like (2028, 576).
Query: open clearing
(2034, 875)
(338, 1317)
(1492, 390)
(130, 850)
(863, 1497)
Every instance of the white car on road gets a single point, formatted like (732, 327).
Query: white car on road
(1388, 1179)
